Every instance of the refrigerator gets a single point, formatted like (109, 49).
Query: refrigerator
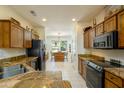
(37, 50)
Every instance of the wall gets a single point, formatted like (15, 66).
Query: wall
(40, 31)
(5, 13)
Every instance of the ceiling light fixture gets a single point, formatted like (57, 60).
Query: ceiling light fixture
(44, 19)
(73, 19)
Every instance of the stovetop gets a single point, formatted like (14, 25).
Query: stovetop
(100, 65)
(104, 63)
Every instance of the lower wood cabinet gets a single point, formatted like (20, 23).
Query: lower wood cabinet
(109, 84)
(113, 81)
(80, 66)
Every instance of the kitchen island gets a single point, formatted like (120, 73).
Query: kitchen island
(31, 78)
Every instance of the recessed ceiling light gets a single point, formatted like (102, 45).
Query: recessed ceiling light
(73, 19)
(44, 19)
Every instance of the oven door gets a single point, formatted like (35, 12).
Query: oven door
(94, 79)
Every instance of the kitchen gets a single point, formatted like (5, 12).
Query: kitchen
(96, 54)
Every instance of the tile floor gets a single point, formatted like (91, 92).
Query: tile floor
(69, 72)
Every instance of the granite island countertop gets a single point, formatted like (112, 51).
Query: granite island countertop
(36, 79)
(116, 71)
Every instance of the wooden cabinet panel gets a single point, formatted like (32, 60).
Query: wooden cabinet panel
(110, 24)
(6, 34)
(86, 39)
(91, 37)
(11, 35)
(16, 36)
(80, 66)
(20, 37)
(1, 35)
(27, 39)
(116, 80)
(109, 84)
(99, 29)
(121, 30)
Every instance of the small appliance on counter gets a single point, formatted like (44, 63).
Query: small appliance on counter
(107, 40)
(37, 50)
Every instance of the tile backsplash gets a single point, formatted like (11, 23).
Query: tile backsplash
(10, 52)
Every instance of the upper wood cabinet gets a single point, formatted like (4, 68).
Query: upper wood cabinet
(11, 35)
(27, 39)
(99, 29)
(121, 29)
(16, 36)
(110, 24)
(91, 37)
(86, 39)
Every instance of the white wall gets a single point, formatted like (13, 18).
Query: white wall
(6, 13)
(40, 31)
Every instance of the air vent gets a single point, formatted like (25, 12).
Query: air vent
(33, 13)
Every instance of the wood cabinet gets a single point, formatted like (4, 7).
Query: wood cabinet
(121, 29)
(110, 24)
(59, 57)
(27, 39)
(80, 66)
(16, 36)
(113, 81)
(91, 37)
(11, 35)
(88, 38)
(99, 29)
(109, 84)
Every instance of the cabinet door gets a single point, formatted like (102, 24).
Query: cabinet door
(1, 35)
(99, 29)
(27, 39)
(20, 37)
(121, 30)
(91, 37)
(6, 34)
(109, 84)
(110, 24)
(14, 35)
(86, 39)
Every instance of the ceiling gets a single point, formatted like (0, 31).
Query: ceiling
(59, 17)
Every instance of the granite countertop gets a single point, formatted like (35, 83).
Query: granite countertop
(18, 61)
(116, 71)
(91, 57)
(36, 79)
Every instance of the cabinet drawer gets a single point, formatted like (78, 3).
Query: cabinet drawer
(116, 80)
(109, 84)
